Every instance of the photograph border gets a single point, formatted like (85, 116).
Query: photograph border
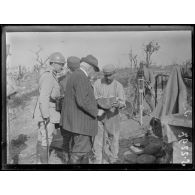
(85, 28)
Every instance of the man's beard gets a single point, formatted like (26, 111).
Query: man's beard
(109, 81)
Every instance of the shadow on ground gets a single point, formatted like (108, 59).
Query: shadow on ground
(16, 147)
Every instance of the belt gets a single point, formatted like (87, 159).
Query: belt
(52, 100)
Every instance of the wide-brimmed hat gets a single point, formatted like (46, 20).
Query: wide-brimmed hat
(73, 63)
(91, 60)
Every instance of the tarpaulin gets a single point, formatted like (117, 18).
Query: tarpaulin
(174, 98)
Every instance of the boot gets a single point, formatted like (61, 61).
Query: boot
(38, 152)
(44, 155)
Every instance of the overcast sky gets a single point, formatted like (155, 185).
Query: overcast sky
(107, 47)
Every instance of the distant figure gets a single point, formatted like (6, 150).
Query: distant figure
(149, 85)
(45, 111)
(107, 139)
(79, 113)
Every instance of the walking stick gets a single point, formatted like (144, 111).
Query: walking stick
(103, 142)
(47, 140)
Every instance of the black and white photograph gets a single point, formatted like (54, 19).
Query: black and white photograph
(102, 96)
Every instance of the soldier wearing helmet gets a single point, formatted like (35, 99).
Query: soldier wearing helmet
(45, 111)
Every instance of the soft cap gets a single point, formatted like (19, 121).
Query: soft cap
(73, 63)
(109, 69)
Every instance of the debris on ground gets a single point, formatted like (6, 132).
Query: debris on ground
(16, 146)
(144, 150)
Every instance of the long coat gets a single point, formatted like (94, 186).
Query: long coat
(79, 111)
(48, 88)
(63, 82)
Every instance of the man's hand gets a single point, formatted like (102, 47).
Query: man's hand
(116, 104)
(100, 112)
(103, 103)
(46, 121)
(112, 109)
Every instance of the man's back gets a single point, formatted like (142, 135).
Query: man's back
(63, 83)
(80, 108)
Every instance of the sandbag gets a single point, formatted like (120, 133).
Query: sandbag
(146, 140)
(165, 156)
(130, 158)
(146, 159)
(152, 148)
(141, 141)
(136, 150)
(122, 151)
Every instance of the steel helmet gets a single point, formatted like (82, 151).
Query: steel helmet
(57, 57)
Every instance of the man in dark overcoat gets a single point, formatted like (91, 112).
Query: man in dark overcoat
(79, 113)
(73, 63)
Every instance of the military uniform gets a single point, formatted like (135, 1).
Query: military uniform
(45, 111)
(49, 90)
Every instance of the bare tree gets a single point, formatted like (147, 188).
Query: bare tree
(40, 62)
(133, 59)
(149, 49)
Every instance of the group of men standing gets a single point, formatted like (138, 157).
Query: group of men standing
(87, 123)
